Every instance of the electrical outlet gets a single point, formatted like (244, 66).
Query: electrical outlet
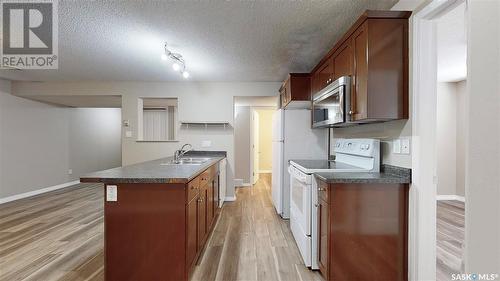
(111, 193)
(396, 146)
(128, 134)
(405, 146)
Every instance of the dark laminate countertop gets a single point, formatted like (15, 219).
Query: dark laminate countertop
(154, 172)
(388, 175)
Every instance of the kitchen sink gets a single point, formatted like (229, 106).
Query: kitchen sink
(186, 161)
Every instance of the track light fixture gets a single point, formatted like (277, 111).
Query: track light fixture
(178, 63)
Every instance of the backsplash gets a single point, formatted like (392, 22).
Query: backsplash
(386, 132)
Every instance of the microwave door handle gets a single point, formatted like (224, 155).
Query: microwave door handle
(341, 103)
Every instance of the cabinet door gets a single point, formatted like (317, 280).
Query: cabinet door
(359, 102)
(216, 194)
(202, 217)
(323, 241)
(343, 60)
(192, 230)
(210, 203)
(325, 74)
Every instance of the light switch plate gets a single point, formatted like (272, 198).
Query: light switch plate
(111, 193)
(70, 171)
(128, 134)
(396, 146)
(405, 146)
(206, 143)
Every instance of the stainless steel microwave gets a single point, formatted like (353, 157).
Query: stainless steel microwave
(330, 105)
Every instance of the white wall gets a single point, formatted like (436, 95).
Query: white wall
(446, 136)
(386, 132)
(34, 144)
(94, 140)
(208, 101)
(482, 189)
(40, 142)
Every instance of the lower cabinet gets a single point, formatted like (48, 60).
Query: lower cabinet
(323, 243)
(363, 231)
(191, 231)
(201, 213)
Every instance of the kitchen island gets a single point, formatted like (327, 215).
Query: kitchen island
(158, 216)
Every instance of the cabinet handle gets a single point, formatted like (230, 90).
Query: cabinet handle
(321, 189)
(200, 200)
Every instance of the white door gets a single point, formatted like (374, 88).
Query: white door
(256, 152)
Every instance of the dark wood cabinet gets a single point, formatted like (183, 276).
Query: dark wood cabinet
(323, 232)
(363, 231)
(192, 230)
(342, 61)
(157, 231)
(374, 52)
(297, 87)
(202, 217)
(359, 97)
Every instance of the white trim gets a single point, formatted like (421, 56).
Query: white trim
(450, 197)
(265, 171)
(230, 198)
(423, 190)
(37, 192)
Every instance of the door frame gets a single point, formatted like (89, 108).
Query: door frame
(423, 191)
(254, 177)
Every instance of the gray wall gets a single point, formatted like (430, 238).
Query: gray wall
(461, 136)
(450, 138)
(94, 140)
(34, 145)
(40, 142)
(482, 188)
(242, 123)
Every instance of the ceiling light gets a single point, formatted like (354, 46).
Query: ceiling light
(178, 61)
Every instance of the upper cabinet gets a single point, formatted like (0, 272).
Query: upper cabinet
(296, 91)
(374, 52)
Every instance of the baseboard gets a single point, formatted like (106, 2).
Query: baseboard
(36, 192)
(265, 171)
(450, 197)
(230, 198)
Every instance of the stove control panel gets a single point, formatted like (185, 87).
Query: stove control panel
(358, 147)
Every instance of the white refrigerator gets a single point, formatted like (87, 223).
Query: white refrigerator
(293, 138)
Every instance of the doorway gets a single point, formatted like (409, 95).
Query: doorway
(450, 139)
(426, 168)
(252, 138)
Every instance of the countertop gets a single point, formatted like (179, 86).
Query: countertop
(154, 172)
(388, 175)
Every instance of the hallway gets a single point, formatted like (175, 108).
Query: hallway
(251, 242)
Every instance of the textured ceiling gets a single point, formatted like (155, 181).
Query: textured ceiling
(221, 40)
(452, 45)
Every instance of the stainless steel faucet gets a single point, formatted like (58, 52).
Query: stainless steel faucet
(179, 153)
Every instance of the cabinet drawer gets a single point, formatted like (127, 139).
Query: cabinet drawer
(193, 189)
(323, 191)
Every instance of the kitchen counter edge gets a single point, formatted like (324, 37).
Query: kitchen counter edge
(388, 175)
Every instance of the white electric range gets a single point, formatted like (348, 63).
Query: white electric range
(351, 155)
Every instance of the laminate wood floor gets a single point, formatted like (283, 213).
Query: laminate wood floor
(450, 239)
(59, 236)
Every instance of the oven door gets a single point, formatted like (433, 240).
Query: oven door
(330, 104)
